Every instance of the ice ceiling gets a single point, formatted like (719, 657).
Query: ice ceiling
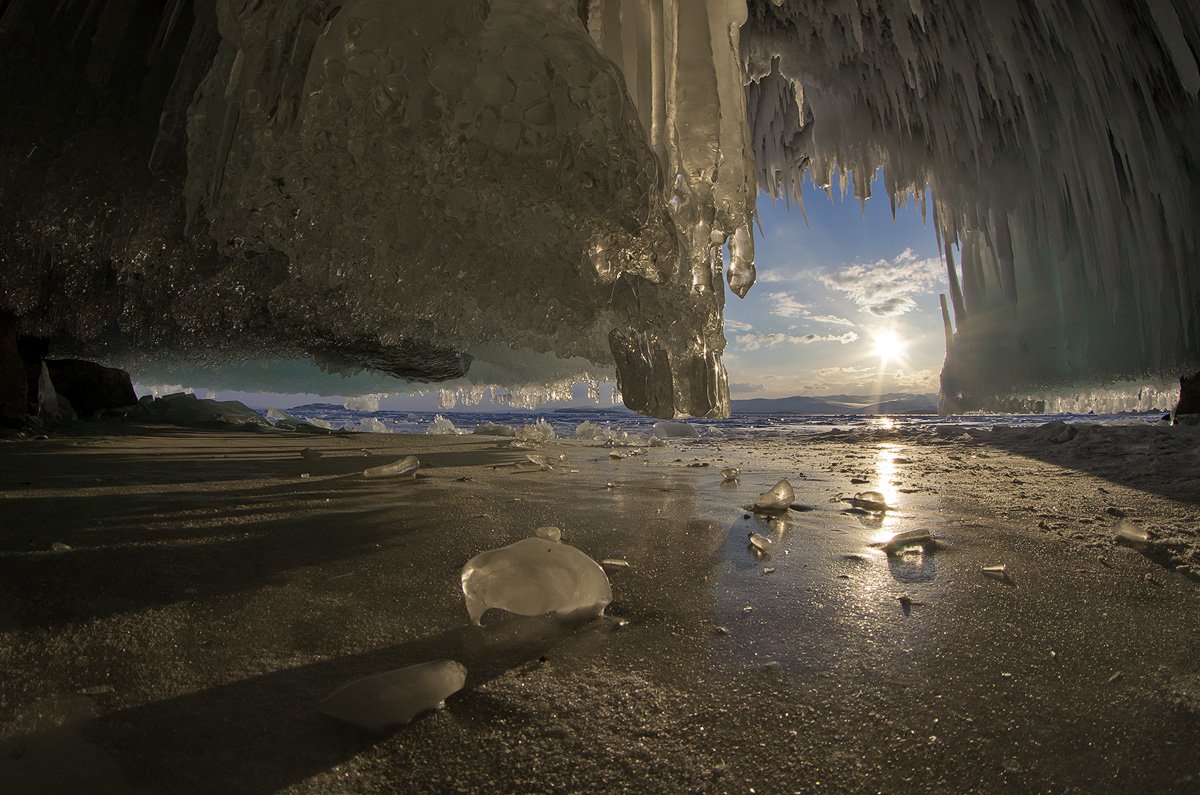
(522, 188)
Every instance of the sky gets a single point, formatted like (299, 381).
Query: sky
(827, 289)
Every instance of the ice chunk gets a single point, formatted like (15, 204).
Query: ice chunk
(760, 542)
(907, 538)
(404, 468)
(532, 577)
(442, 427)
(59, 546)
(590, 430)
(184, 408)
(731, 474)
(1000, 571)
(868, 501)
(539, 432)
(775, 499)
(396, 697)
(615, 563)
(549, 532)
(536, 462)
(668, 429)
(1132, 534)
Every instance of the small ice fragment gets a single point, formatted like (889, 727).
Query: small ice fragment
(549, 532)
(533, 577)
(679, 430)
(404, 468)
(1130, 533)
(730, 474)
(615, 563)
(768, 570)
(801, 507)
(654, 441)
(308, 454)
(539, 432)
(493, 429)
(610, 485)
(442, 427)
(540, 461)
(760, 542)
(305, 476)
(776, 499)
(1000, 571)
(908, 538)
(396, 697)
(615, 454)
(868, 501)
(59, 546)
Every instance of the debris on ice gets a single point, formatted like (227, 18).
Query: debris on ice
(404, 468)
(776, 499)
(396, 697)
(535, 576)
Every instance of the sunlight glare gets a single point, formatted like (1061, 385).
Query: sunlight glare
(888, 347)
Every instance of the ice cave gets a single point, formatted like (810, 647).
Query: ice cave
(993, 591)
(524, 192)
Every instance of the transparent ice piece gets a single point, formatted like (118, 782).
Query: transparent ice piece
(678, 430)
(396, 697)
(776, 499)
(731, 474)
(868, 501)
(760, 542)
(442, 427)
(404, 468)
(549, 533)
(535, 576)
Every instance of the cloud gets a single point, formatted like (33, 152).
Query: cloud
(767, 276)
(745, 389)
(885, 289)
(755, 342)
(737, 325)
(834, 319)
(784, 305)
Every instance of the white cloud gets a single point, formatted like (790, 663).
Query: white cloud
(737, 325)
(784, 305)
(886, 288)
(766, 276)
(834, 319)
(754, 342)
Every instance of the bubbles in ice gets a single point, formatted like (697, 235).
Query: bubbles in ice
(535, 576)
(668, 429)
(776, 499)
(396, 697)
(404, 468)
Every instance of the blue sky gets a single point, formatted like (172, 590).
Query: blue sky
(825, 291)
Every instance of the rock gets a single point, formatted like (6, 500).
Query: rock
(91, 387)
(1189, 395)
(14, 383)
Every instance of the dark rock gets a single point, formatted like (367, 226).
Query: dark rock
(91, 387)
(1189, 395)
(13, 382)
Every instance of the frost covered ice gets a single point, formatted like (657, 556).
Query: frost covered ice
(396, 697)
(535, 576)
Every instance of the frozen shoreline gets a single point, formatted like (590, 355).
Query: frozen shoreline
(212, 594)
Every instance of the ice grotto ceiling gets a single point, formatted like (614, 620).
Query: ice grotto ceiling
(528, 187)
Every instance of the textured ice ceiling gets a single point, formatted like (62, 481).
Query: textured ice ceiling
(524, 187)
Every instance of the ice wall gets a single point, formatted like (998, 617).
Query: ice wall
(406, 186)
(1059, 141)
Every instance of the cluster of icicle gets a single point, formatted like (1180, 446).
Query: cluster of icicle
(1058, 139)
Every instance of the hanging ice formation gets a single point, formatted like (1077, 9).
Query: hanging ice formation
(1059, 141)
(518, 190)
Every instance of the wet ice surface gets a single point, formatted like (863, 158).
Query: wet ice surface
(257, 594)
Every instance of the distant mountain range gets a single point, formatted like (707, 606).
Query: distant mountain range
(887, 403)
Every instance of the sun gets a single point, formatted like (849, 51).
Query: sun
(888, 347)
